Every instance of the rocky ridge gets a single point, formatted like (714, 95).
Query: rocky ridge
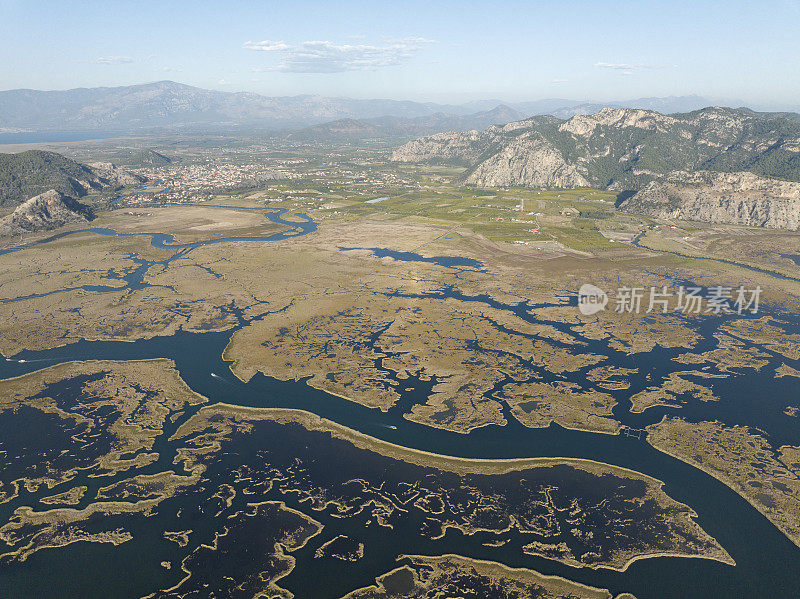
(739, 198)
(617, 149)
(49, 210)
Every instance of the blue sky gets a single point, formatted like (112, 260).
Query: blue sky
(419, 50)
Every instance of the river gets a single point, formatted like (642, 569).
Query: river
(768, 564)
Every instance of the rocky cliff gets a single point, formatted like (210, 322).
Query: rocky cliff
(50, 210)
(738, 198)
(528, 160)
(107, 174)
(452, 148)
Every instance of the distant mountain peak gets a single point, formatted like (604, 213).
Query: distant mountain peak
(169, 103)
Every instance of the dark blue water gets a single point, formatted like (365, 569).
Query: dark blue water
(768, 564)
(57, 136)
(455, 262)
(793, 257)
(139, 191)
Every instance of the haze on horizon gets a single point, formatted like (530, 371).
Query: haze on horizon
(442, 52)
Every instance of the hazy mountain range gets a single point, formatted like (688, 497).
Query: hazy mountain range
(405, 127)
(170, 104)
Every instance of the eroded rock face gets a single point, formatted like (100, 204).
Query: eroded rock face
(737, 198)
(50, 210)
(108, 173)
(527, 161)
(450, 147)
(585, 125)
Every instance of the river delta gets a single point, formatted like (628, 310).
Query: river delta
(233, 393)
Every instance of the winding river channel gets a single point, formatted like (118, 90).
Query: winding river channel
(768, 564)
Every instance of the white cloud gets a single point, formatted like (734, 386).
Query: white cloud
(170, 70)
(266, 46)
(113, 60)
(557, 81)
(330, 57)
(628, 68)
(223, 82)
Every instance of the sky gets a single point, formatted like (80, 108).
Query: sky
(437, 51)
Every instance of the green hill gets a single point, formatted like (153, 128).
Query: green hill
(28, 174)
(146, 158)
